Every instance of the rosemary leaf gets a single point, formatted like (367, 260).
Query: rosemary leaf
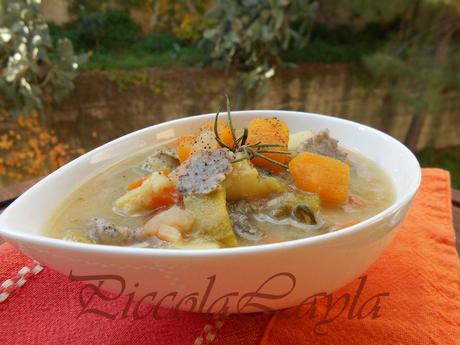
(230, 123)
(216, 132)
(274, 151)
(265, 145)
(240, 159)
(271, 160)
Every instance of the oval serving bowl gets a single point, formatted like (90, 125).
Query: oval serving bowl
(236, 280)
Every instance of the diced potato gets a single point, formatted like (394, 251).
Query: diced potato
(297, 138)
(245, 182)
(212, 221)
(328, 177)
(269, 131)
(156, 191)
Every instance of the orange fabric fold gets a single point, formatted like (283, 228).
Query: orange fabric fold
(417, 277)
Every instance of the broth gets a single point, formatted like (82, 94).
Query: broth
(370, 191)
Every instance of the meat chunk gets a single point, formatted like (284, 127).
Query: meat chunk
(243, 227)
(323, 144)
(101, 230)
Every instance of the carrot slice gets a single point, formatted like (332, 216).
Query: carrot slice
(136, 184)
(184, 146)
(165, 171)
(168, 197)
(328, 177)
(139, 182)
(269, 131)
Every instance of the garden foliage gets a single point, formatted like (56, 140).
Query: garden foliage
(251, 34)
(33, 71)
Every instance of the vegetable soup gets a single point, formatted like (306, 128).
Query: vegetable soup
(225, 187)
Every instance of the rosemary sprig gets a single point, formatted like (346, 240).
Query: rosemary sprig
(236, 160)
(274, 151)
(249, 151)
(260, 145)
(230, 123)
(216, 133)
(244, 137)
(284, 166)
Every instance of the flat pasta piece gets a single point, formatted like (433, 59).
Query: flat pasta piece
(212, 221)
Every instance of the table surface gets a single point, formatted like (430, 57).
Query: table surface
(10, 193)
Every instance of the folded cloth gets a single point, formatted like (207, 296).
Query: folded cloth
(44, 310)
(417, 278)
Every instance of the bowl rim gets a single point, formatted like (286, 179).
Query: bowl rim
(38, 239)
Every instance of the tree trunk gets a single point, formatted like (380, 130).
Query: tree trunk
(414, 131)
(418, 120)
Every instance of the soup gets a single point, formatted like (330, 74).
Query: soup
(226, 187)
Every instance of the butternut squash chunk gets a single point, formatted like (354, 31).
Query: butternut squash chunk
(269, 131)
(184, 146)
(328, 177)
(223, 129)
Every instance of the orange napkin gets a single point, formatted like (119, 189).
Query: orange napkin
(420, 271)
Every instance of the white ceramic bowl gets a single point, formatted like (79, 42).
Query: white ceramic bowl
(283, 274)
